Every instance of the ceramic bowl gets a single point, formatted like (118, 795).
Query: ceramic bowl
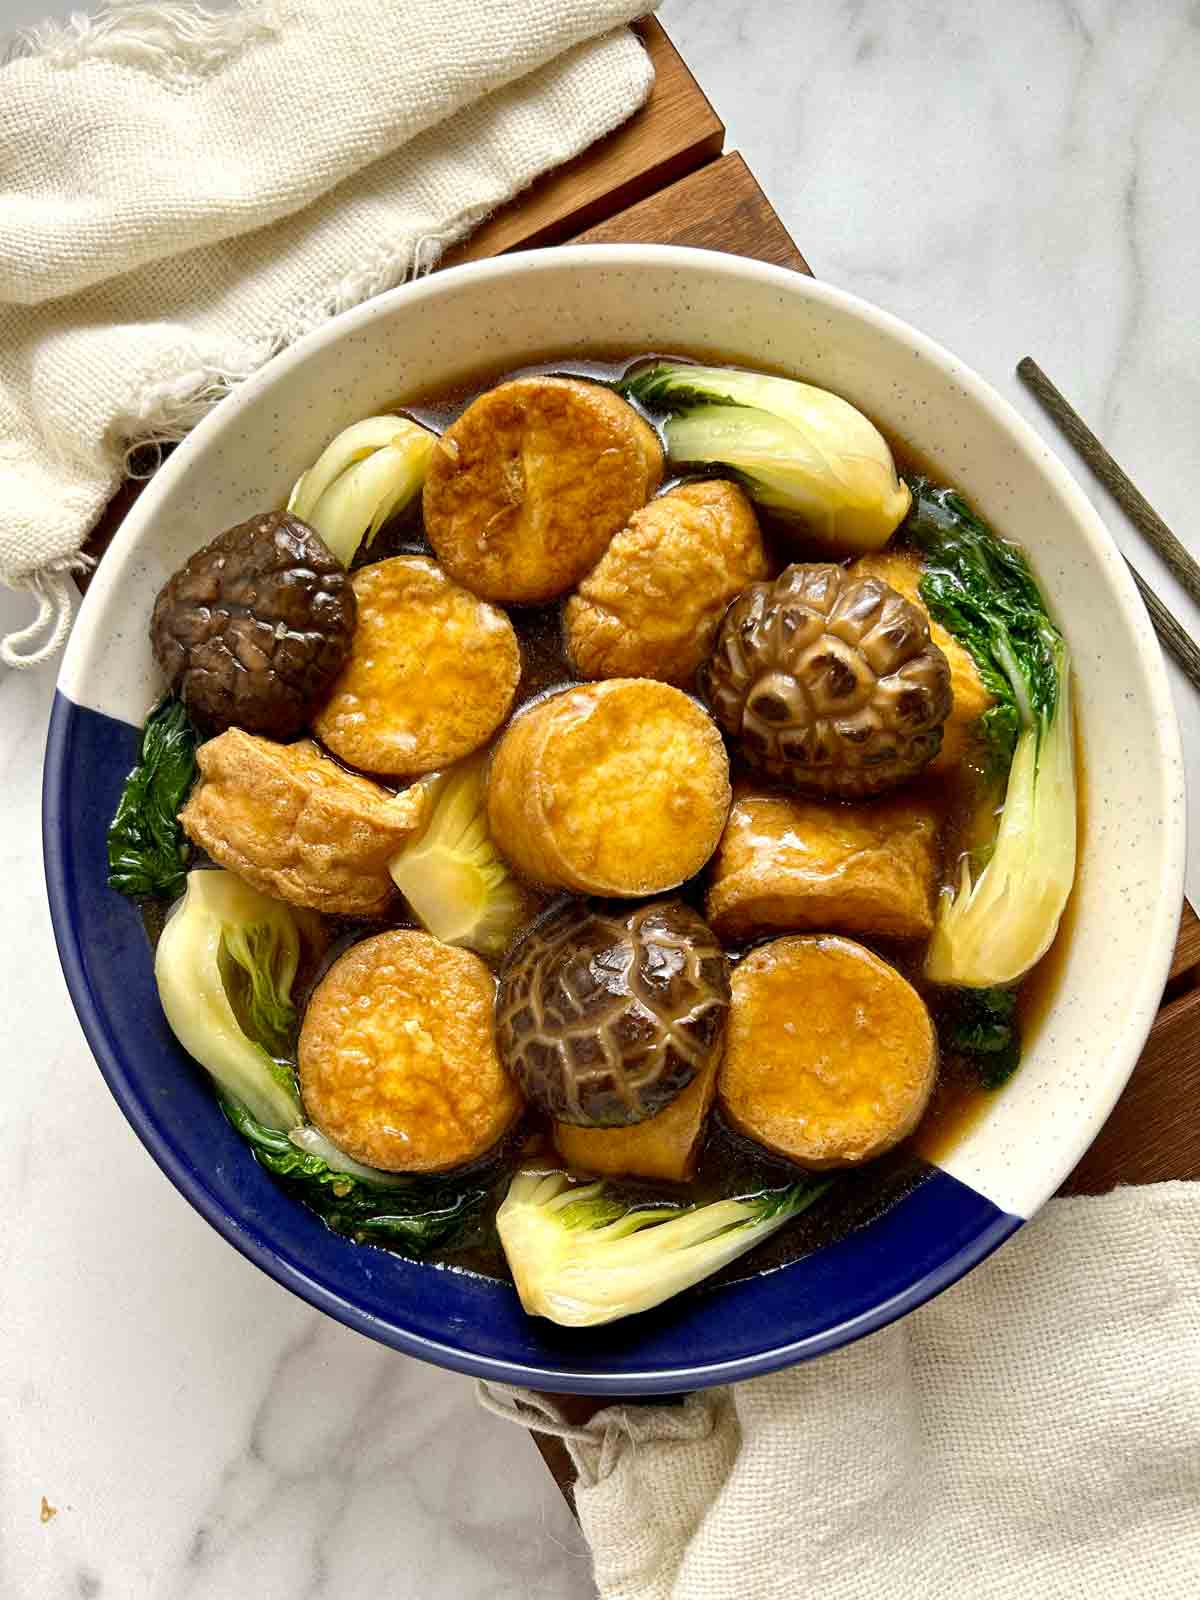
(499, 314)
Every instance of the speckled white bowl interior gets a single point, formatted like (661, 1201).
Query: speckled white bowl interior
(629, 298)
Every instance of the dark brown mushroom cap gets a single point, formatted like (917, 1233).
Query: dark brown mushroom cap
(605, 1015)
(829, 682)
(253, 629)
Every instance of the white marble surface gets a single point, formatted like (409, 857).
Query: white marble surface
(1029, 188)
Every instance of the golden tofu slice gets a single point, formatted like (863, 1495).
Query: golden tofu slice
(666, 1146)
(397, 1056)
(527, 487)
(614, 788)
(902, 569)
(790, 863)
(651, 606)
(830, 1055)
(295, 825)
(431, 674)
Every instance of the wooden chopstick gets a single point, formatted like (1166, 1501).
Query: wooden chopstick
(1139, 511)
(1118, 483)
(1181, 645)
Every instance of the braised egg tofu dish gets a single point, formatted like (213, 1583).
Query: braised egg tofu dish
(611, 817)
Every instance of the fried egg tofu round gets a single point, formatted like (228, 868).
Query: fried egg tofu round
(830, 1055)
(295, 825)
(651, 606)
(618, 788)
(431, 673)
(527, 487)
(397, 1057)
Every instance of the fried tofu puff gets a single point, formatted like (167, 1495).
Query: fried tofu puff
(830, 1055)
(651, 606)
(295, 825)
(786, 862)
(525, 490)
(902, 570)
(616, 788)
(431, 674)
(663, 1146)
(397, 1057)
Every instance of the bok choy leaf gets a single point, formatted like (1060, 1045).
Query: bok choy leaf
(147, 849)
(222, 921)
(798, 450)
(993, 927)
(413, 1216)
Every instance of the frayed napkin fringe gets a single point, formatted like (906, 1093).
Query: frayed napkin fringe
(173, 40)
(169, 410)
(51, 588)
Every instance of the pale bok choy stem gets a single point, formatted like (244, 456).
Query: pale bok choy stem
(582, 1258)
(991, 930)
(366, 475)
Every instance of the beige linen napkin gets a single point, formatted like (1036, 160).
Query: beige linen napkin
(1031, 1434)
(185, 192)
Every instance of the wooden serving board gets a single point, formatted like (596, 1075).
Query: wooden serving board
(662, 178)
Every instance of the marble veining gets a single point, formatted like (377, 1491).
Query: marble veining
(1024, 188)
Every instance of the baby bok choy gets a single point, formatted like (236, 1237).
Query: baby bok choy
(367, 474)
(581, 1256)
(993, 927)
(225, 941)
(798, 450)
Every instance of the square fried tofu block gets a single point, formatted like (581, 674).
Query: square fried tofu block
(786, 863)
(902, 569)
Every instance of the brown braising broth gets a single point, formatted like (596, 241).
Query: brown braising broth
(729, 1164)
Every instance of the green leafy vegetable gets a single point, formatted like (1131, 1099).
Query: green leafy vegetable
(581, 1256)
(218, 916)
(981, 590)
(995, 926)
(258, 967)
(981, 1025)
(147, 849)
(412, 1214)
(796, 449)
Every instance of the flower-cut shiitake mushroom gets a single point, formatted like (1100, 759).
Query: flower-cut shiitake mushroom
(605, 1016)
(828, 682)
(253, 629)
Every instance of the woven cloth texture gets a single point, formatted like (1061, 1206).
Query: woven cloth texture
(1031, 1434)
(185, 192)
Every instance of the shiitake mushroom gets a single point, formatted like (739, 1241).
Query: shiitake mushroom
(253, 629)
(829, 682)
(605, 1014)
